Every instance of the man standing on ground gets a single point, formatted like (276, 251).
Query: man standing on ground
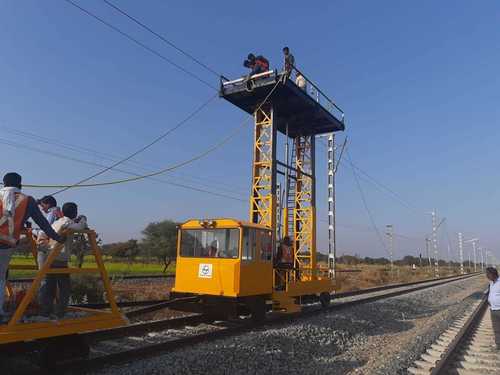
(15, 209)
(494, 302)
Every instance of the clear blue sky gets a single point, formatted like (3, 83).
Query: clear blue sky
(418, 81)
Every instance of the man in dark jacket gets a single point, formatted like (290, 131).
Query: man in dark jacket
(257, 64)
(15, 209)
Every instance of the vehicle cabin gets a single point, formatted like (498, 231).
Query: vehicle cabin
(224, 257)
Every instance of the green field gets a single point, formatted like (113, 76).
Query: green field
(114, 268)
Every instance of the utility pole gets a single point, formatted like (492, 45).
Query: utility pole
(461, 252)
(390, 234)
(481, 250)
(435, 244)
(428, 253)
(474, 250)
(475, 253)
(332, 241)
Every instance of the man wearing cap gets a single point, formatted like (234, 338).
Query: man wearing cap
(15, 209)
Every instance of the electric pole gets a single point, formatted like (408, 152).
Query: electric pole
(435, 244)
(390, 234)
(475, 253)
(428, 253)
(332, 243)
(461, 252)
(482, 258)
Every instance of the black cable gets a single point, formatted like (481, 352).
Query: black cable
(382, 186)
(113, 158)
(363, 198)
(161, 37)
(139, 43)
(156, 140)
(60, 156)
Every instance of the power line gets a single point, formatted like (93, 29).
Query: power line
(110, 157)
(162, 171)
(139, 43)
(382, 187)
(365, 204)
(161, 37)
(54, 154)
(156, 140)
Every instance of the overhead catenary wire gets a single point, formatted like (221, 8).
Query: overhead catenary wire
(142, 149)
(365, 203)
(107, 156)
(381, 186)
(177, 184)
(141, 44)
(161, 37)
(199, 156)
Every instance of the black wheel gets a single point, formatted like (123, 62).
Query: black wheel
(258, 309)
(325, 298)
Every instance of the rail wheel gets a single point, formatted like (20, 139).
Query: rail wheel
(325, 299)
(258, 307)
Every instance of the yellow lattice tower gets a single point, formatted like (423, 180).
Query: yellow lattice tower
(304, 212)
(263, 197)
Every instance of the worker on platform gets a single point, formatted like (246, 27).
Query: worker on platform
(285, 256)
(15, 209)
(257, 64)
(59, 284)
(289, 62)
(301, 82)
(284, 261)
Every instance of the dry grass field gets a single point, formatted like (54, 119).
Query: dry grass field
(362, 276)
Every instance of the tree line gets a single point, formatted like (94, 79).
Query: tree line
(159, 243)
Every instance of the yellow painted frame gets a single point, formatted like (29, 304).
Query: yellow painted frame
(15, 331)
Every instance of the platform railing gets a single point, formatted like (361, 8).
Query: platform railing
(309, 87)
(315, 92)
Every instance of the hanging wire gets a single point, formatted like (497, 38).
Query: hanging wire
(142, 45)
(142, 149)
(106, 156)
(365, 204)
(64, 187)
(161, 37)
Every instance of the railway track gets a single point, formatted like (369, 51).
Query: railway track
(140, 340)
(466, 348)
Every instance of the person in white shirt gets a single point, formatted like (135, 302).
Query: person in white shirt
(301, 82)
(61, 282)
(494, 302)
(48, 205)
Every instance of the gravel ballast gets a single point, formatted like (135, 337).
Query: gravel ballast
(382, 337)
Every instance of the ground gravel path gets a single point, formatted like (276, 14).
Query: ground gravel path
(382, 337)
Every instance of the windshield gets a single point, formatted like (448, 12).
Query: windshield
(210, 243)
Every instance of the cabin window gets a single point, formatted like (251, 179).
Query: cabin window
(210, 243)
(266, 245)
(249, 244)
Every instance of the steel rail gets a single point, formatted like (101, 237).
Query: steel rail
(230, 329)
(124, 277)
(461, 337)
